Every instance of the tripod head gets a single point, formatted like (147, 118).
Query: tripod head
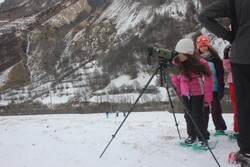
(163, 63)
(160, 53)
(165, 58)
(164, 70)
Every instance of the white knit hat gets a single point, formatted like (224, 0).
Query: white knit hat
(185, 46)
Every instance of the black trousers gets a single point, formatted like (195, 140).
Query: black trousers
(195, 107)
(218, 120)
(241, 80)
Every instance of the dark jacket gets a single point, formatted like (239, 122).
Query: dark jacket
(220, 9)
(218, 64)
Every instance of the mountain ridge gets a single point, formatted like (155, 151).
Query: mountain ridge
(47, 46)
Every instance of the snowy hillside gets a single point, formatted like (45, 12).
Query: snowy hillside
(145, 140)
(65, 53)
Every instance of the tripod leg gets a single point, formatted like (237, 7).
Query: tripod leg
(164, 80)
(143, 90)
(172, 107)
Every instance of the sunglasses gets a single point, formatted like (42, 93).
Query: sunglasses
(202, 39)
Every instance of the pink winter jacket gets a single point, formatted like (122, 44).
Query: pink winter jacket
(227, 67)
(197, 86)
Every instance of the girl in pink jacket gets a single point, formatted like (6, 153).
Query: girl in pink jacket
(194, 84)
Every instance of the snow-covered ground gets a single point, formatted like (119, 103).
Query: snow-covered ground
(148, 139)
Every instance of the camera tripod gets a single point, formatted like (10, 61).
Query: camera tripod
(166, 81)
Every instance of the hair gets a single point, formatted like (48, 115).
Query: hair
(213, 52)
(192, 65)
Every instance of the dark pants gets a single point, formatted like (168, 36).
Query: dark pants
(218, 120)
(195, 108)
(241, 80)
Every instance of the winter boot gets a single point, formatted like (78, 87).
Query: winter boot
(233, 136)
(220, 133)
(190, 140)
(236, 158)
(243, 159)
(202, 144)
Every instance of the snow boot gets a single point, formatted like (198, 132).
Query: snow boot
(239, 158)
(220, 133)
(233, 136)
(202, 144)
(190, 140)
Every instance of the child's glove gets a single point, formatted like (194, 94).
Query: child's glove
(226, 52)
(175, 69)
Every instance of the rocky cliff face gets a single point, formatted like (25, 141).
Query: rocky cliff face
(83, 44)
(36, 32)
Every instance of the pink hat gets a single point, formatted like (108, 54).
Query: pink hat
(202, 41)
